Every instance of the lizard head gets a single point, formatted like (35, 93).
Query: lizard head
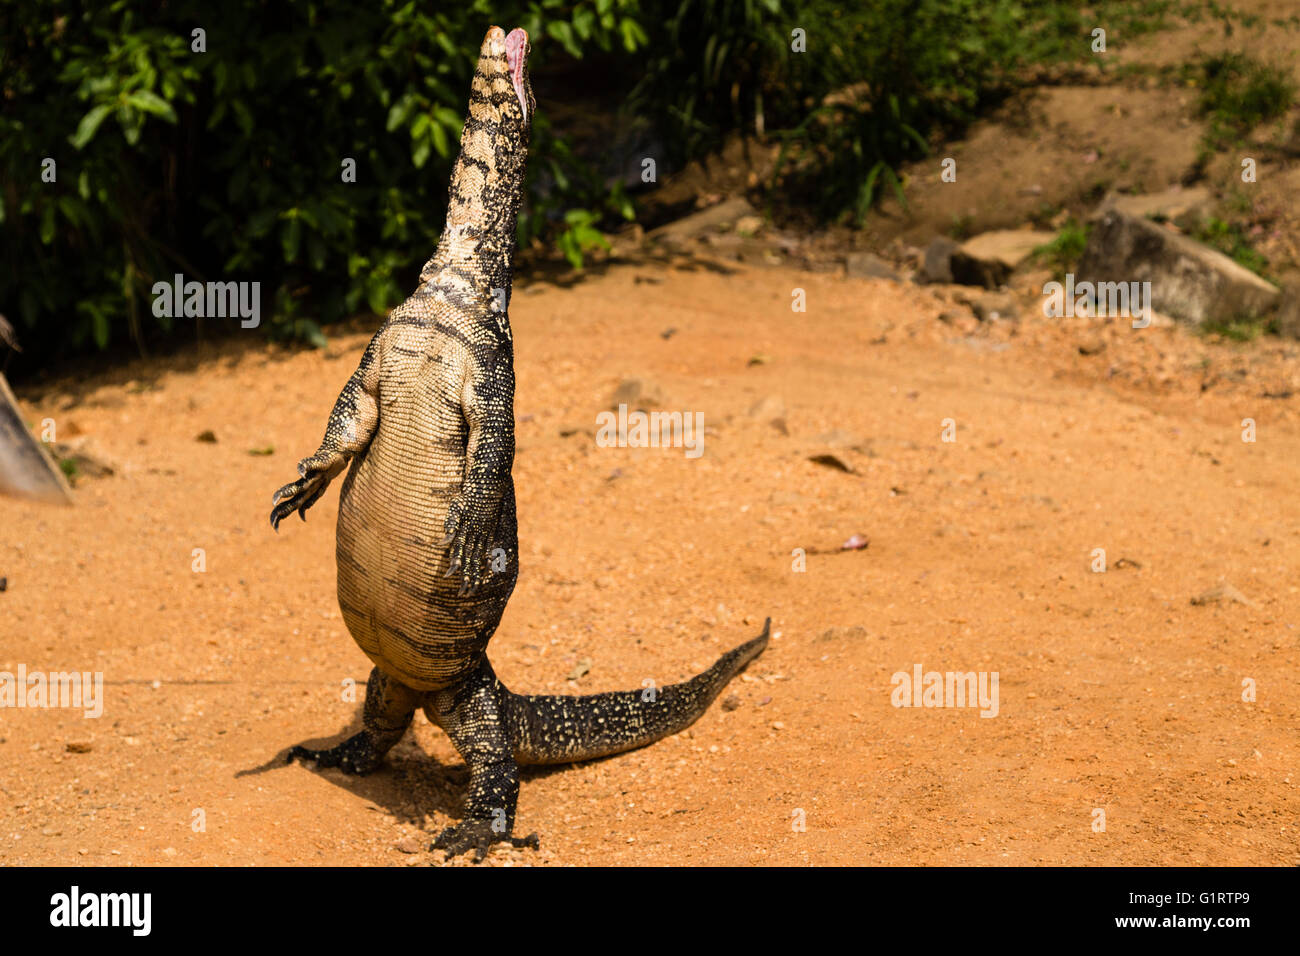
(502, 94)
(487, 183)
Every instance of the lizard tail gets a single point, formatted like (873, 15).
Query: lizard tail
(563, 729)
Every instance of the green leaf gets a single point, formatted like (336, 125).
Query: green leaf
(420, 153)
(47, 224)
(440, 142)
(152, 103)
(633, 35)
(449, 118)
(88, 125)
(589, 238)
(400, 111)
(572, 251)
(559, 30)
(99, 326)
(309, 331)
(290, 236)
(316, 252)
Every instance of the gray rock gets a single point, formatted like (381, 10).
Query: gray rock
(864, 265)
(1185, 207)
(727, 212)
(1189, 280)
(1288, 313)
(938, 259)
(995, 306)
(990, 258)
(990, 306)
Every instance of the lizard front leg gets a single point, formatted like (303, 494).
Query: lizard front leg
(351, 426)
(473, 518)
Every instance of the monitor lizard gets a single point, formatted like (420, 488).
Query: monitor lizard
(426, 544)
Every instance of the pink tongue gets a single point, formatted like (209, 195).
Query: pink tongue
(516, 41)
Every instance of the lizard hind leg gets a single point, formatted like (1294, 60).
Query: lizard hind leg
(388, 711)
(471, 715)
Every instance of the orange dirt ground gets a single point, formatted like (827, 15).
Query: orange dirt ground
(1116, 691)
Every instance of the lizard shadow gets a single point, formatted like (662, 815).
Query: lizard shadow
(411, 784)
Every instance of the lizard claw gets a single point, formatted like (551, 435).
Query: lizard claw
(469, 537)
(300, 495)
(477, 835)
(356, 755)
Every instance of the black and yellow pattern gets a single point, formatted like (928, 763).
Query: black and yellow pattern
(427, 548)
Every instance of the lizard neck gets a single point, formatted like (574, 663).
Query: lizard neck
(487, 184)
(478, 241)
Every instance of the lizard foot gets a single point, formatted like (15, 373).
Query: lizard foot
(356, 755)
(476, 835)
(315, 474)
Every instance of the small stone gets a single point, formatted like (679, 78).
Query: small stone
(208, 436)
(79, 746)
(1225, 593)
(990, 258)
(407, 845)
(864, 265)
(831, 461)
(636, 394)
(938, 259)
(768, 408)
(730, 703)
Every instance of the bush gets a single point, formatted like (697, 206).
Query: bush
(227, 164)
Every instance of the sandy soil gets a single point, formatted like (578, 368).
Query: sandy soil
(1116, 691)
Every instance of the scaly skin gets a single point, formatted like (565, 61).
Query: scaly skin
(426, 550)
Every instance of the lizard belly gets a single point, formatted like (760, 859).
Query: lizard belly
(397, 601)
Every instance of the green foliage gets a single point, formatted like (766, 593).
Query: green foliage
(962, 228)
(875, 82)
(1063, 252)
(1231, 239)
(1239, 93)
(226, 165)
(1245, 329)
